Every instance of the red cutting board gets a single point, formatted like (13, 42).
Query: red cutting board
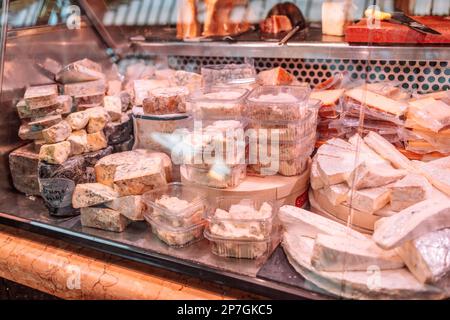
(389, 32)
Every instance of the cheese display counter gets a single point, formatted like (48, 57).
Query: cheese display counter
(238, 142)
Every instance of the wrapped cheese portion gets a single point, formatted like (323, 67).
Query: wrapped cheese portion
(412, 222)
(275, 77)
(429, 113)
(376, 101)
(338, 253)
(428, 257)
(309, 224)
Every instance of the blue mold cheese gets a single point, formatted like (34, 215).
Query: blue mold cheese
(57, 133)
(91, 194)
(103, 218)
(37, 97)
(78, 120)
(131, 207)
(55, 153)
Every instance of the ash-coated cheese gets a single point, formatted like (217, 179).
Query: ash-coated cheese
(71, 169)
(139, 177)
(338, 254)
(91, 194)
(119, 131)
(415, 221)
(371, 199)
(41, 123)
(57, 133)
(96, 141)
(103, 218)
(113, 105)
(98, 118)
(131, 207)
(78, 120)
(41, 96)
(23, 164)
(124, 146)
(84, 88)
(91, 158)
(78, 142)
(55, 153)
(26, 133)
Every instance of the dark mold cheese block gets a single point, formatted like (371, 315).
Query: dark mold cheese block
(23, 164)
(58, 182)
(119, 131)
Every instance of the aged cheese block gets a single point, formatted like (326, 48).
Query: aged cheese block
(41, 123)
(388, 151)
(96, 98)
(23, 164)
(91, 158)
(143, 87)
(96, 141)
(114, 87)
(26, 133)
(371, 200)
(98, 118)
(119, 131)
(125, 100)
(131, 207)
(315, 179)
(113, 105)
(41, 96)
(71, 169)
(428, 257)
(309, 224)
(84, 88)
(103, 218)
(338, 253)
(78, 120)
(369, 284)
(57, 133)
(37, 144)
(166, 100)
(415, 221)
(78, 142)
(166, 161)
(337, 193)
(55, 153)
(105, 168)
(190, 80)
(66, 104)
(91, 194)
(374, 175)
(411, 189)
(139, 177)
(25, 112)
(78, 71)
(87, 107)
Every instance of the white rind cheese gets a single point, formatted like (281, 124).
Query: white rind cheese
(370, 200)
(408, 191)
(337, 193)
(91, 194)
(372, 176)
(413, 222)
(337, 253)
(315, 179)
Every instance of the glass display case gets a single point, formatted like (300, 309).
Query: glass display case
(318, 167)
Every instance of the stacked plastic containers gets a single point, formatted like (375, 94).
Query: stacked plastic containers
(176, 214)
(241, 228)
(283, 121)
(215, 148)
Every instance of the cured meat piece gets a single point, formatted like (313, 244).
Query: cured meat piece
(275, 24)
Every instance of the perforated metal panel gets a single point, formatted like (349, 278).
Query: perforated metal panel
(421, 76)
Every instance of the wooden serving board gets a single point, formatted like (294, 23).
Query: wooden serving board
(390, 32)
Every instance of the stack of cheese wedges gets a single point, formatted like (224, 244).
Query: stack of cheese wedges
(407, 257)
(363, 179)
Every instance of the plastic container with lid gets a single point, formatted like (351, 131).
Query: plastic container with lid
(241, 249)
(222, 74)
(176, 237)
(278, 103)
(241, 218)
(218, 176)
(288, 168)
(218, 103)
(175, 205)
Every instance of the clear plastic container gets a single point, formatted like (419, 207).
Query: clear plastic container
(241, 249)
(278, 103)
(222, 74)
(218, 103)
(291, 167)
(287, 130)
(241, 219)
(176, 237)
(175, 205)
(218, 176)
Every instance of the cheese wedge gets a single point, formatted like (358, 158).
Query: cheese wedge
(413, 222)
(309, 224)
(388, 151)
(335, 170)
(408, 191)
(437, 172)
(428, 257)
(369, 154)
(315, 179)
(370, 200)
(337, 193)
(337, 253)
(376, 101)
(371, 176)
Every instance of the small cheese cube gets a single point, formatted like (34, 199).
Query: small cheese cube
(41, 123)
(91, 194)
(103, 218)
(113, 105)
(96, 141)
(98, 118)
(78, 142)
(78, 120)
(57, 133)
(55, 153)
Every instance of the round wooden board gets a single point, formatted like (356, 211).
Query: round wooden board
(268, 187)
